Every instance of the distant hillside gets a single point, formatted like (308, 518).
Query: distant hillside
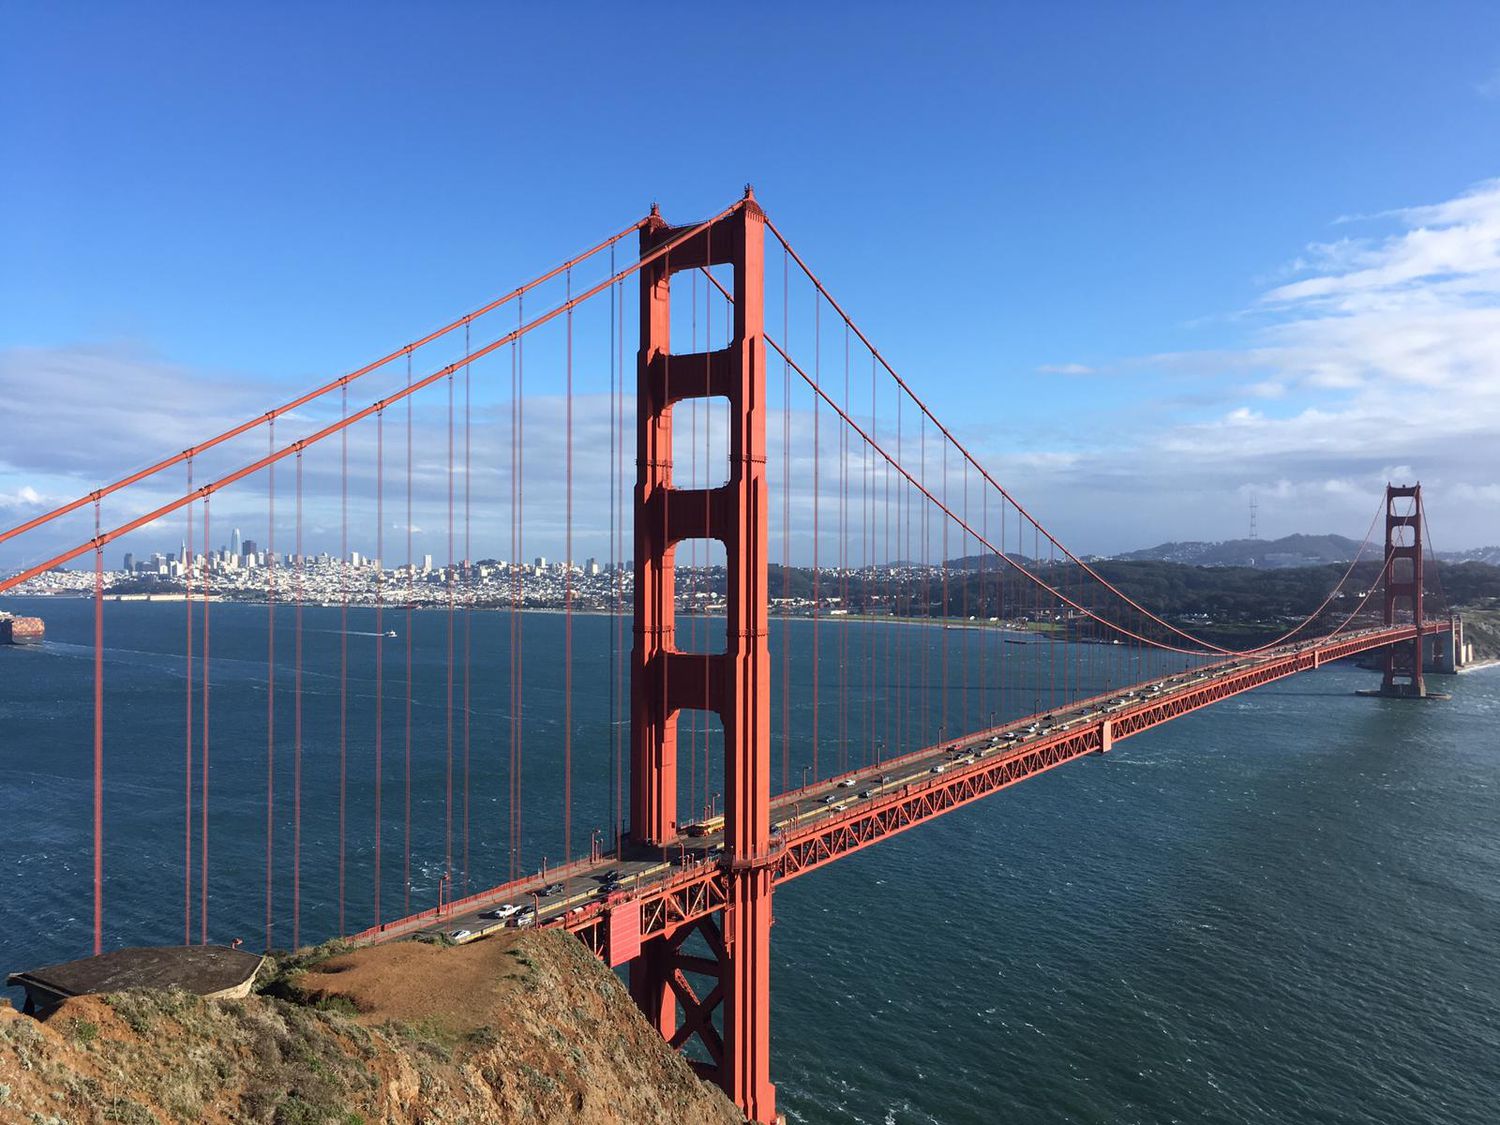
(1490, 555)
(1272, 554)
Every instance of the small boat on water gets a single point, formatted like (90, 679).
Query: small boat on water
(390, 633)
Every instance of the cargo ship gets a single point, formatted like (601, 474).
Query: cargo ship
(21, 630)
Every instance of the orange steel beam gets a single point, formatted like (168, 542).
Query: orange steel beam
(699, 889)
(696, 892)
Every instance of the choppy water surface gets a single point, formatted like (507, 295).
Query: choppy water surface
(1285, 908)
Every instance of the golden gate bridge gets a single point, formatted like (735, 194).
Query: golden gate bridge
(837, 501)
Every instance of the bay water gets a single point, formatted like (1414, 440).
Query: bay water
(1282, 908)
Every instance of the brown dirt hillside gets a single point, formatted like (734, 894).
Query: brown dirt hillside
(521, 1027)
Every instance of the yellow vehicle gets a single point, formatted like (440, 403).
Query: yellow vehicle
(704, 828)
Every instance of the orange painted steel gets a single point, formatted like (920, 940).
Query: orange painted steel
(207, 490)
(736, 683)
(984, 473)
(1401, 590)
(302, 400)
(983, 538)
(697, 890)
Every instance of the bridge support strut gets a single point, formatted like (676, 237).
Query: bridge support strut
(736, 683)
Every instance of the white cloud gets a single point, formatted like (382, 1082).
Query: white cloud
(1382, 357)
(1066, 369)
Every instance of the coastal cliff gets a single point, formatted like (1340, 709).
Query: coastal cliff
(520, 1027)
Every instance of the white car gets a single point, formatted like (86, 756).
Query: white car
(460, 935)
(847, 783)
(939, 768)
(501, 912)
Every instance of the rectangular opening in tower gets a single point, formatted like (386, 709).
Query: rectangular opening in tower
(700, 772)
(700, 443)
(698, 602)
(702, 317)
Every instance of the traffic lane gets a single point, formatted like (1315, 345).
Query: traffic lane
(579, 890)
(583, 889)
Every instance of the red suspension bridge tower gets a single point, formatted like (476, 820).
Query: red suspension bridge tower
(1403, 589)
(735, 684)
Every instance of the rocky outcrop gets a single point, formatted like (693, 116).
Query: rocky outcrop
(521, 1027)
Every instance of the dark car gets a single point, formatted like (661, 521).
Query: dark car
(552, 889)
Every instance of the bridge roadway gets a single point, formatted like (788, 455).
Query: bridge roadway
(658, 891)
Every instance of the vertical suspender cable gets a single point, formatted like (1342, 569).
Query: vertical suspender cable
(963, 578)
(817, 655)
(203, 757)
(411, 591)
(379, 643)
(926, 585)
(98, 738)
(568, 598)
(448, 709)
(270, 676)
(690, 571)
(515, 600)
(844, 572)
(343, 653)
(614, 493)
(299, 575)
(986, 634)
(518, 653)
(620, 569)
(469, 578)
(187, 791)
(786, 542)
(943, 730)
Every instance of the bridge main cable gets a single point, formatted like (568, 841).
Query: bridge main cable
(270, 416)
(207, 490)
(1208, 646)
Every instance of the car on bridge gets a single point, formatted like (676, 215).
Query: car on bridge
(501, 912)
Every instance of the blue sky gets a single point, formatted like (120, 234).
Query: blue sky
(1076, 227)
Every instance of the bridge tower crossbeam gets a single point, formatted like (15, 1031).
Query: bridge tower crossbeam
(735, 683)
